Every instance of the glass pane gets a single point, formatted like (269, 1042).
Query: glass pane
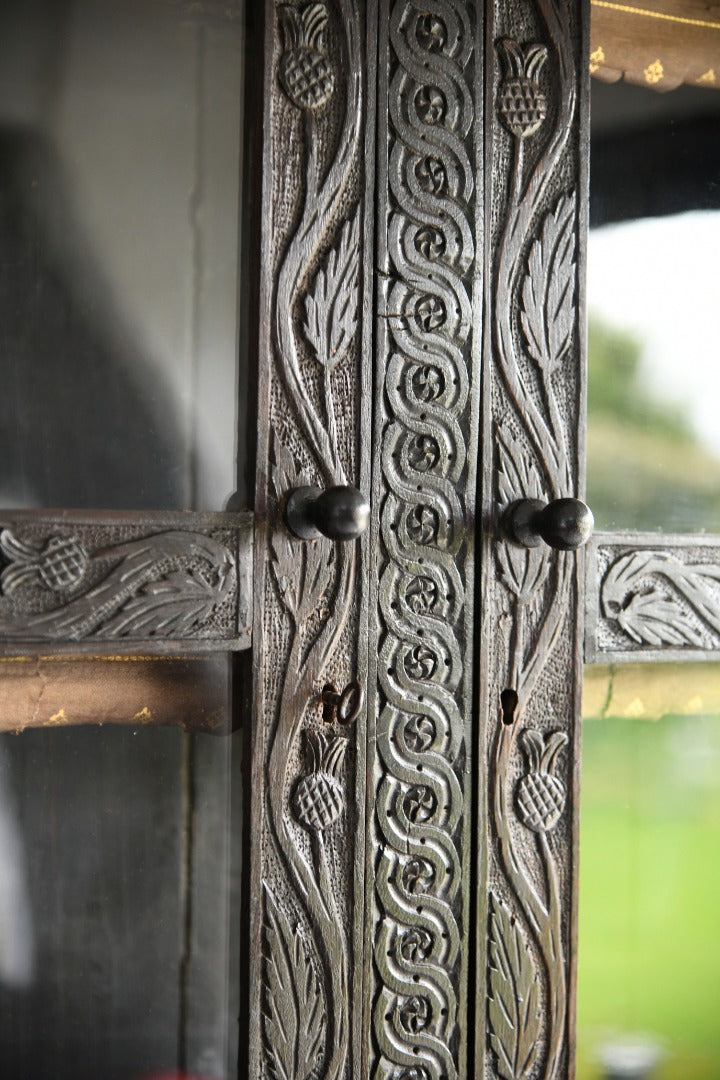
(121, 147)
(119, 877)
(649, 940)
(120, 163)
(654, 379)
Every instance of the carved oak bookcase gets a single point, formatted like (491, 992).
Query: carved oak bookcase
(416, 686)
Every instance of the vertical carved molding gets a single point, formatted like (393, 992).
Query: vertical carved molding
(534, 399)
(426, 429)
(473, 215)
(304, 820)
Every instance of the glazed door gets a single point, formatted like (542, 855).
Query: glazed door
(125, 613)
(413, 603)
(649, 883)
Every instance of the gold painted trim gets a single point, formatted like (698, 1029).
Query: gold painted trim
(655, 14)
(597, 58)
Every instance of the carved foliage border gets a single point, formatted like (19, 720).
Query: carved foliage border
(653, 597)
(77, 584)
(304, 825)
(532, 415)
(425, 494)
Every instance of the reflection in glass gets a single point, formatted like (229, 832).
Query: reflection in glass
(654, 368)
(120, 159)
(649, 948)
(654, 386)
(649, 935)
(119, 874)
(120, 144)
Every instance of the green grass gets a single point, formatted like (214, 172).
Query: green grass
(649, 950)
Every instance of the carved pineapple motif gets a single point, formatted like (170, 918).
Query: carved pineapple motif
(60, 565)
(318, 798)
(523, 105)
(540, 794)
(306, 73)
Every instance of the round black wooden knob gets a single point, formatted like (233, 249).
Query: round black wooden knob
(565, 524)
(340, 513)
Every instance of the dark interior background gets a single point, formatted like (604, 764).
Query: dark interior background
(121, 156)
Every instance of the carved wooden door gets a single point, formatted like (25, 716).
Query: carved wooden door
(414, 775)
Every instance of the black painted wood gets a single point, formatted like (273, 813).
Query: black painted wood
(457, 236)
(93, 583)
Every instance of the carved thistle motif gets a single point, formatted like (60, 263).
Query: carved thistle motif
(59, 565)
(309, 438)
(540, 794)
(535, 403)
(523, 105)
(81, 586)
(318, 798)
(305, 70)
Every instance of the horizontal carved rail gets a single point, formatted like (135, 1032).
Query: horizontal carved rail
(99, 583)
(652, 596)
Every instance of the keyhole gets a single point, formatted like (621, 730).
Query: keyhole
(508, 704)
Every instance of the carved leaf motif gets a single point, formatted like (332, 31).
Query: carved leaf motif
(285, 571)
(318, 570)
(523, 570)
(694, 583)
(654, 618)
(517, 476)
(332, 305)
(647, 614)
(294, 565)
(548, 291)
(293, 1019)
(513, 1005)
(171, 606)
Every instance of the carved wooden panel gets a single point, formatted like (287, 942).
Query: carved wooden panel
(528, 640)
(429, 201)
(122, 582)
(652, 596)
(308, 755)
(422, 255)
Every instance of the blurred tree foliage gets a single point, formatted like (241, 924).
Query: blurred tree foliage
(647, 469)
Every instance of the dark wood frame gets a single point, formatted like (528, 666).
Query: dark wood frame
(414, 876)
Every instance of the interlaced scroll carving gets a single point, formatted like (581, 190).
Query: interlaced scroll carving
(426, 494)
(304, 813)
(535, 399)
